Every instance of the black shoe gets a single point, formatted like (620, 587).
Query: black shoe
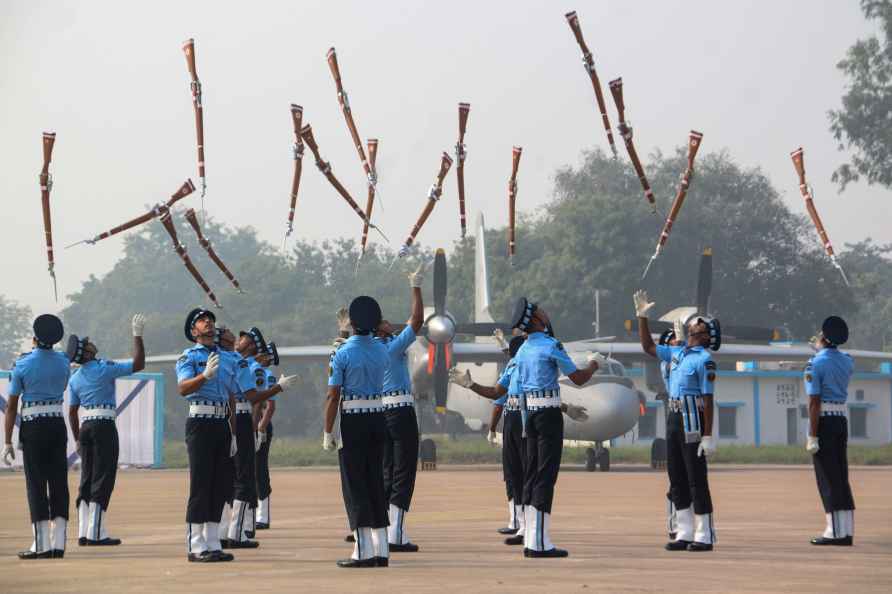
(105, 542)
(677, 545)
(517, 539)
(507, 530)
(697, 547)
(382, 561)
(58, 553)
(350, 538)
(373, 562)
(204, 557)
(403, 548)
(249, 534)
(225, 543)
(220, 556)
(243, 544)
(82, 541)
(29, 555)
(549, 554)
(261, 526)
(845, 541)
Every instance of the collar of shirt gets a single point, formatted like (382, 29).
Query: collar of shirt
(361, 338)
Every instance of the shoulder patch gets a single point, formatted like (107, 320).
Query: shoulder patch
(559, 345)
(260, 381)
(710, 376)
(183, 359)
(710, 365)
(808, 377)
(242, 364)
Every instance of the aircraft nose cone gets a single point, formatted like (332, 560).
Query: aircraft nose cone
(440, 329)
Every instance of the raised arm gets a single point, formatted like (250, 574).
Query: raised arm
(139, 349)
(642, 306)
(415, 281)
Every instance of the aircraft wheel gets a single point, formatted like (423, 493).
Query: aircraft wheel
(591, 460)
(604, 460)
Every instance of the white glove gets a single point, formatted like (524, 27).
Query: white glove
(404, 251)
(493, 438)
(337, 342)
(233, 446)
(707, 446)
(328, 442)
(286, 381)
(261, 435)
(138, 323)
(257, 441)
(463, 379)
(678, 328)
(343, 320)
(642, 306)
(598, 358)
(210, 370)
(8, 454)
(811, 445)
(416, 279)
(577, 413)
(500, 339)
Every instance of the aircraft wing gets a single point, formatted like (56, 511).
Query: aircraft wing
(476, 352)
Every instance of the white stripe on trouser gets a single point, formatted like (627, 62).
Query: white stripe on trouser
(362, 546)
(671, 524)
(83, 519)
(242, 518)
(512, 515)
(212, 536)
(96, 528)
(684, 523)
(521, 520)
(538, 532)
(59, 534)
(840, 524)
(704, 531)
(195, 542)
(224, 521)
(263, 511)
(41, 531)
(380, 546)
(396, 532)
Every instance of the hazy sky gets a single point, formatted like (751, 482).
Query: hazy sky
(757, 78)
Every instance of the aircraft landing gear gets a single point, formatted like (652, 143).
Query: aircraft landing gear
(597, 458)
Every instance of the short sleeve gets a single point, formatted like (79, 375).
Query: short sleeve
(664, 352)
(116, 369)
(707, 375)
(500, 401)
(402, 342)
(812, 378)
(562, 359)
(337, 368)
(244, 377)
(185, 368)
(16, 383)
(74, 397)
(505, 378)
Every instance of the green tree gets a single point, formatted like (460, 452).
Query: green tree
(15, 327)
(863, 124)
(870, 267)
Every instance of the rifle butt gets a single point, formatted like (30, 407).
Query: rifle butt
(463, 110)
(184, 190)
(297, 116)
(189, 51)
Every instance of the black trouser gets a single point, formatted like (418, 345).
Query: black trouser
(245, 482)
(45, 460)
(544, 444)
(261, 465)
(687, 471)
(400, 455)
(513, 454)
(832, 465)
(362, 469)
(99, 461)
(210, 476)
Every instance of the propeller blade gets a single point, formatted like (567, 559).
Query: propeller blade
(482, 328)
(441, 379)
(431, 357)
(704, 282)
(440, 282)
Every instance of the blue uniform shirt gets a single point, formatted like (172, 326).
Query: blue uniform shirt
(270, 381)
(94, 383)
(664, 372)
(508, 380)
(540, 361)
(192, 363)
(359, 366)
(396, 377)
(39, 375)
(691, 370)
(251, 376)
(827, 375)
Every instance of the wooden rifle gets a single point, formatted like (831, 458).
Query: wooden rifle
(46, 185)
(512, 197)
(625, 130)
(195, 85)
(433, 195)
(460, 154)
(193, 220)
(373, 156)
(187, 262)
(298, 151)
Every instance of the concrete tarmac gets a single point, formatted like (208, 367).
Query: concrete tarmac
(613, 525)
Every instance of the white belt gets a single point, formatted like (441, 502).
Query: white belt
(512, 403)
(362, 405)
(41, 410)
(398, 400)
(217, 411)
(93, 414)
(833, 409)
(243, 407)
(543, 399)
